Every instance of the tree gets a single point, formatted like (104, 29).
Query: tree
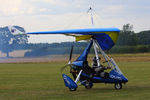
(127, 36)
(9, 42)
(144, 37)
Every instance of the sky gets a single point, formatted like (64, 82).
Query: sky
(47, 15)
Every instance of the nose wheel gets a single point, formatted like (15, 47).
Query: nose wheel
(88, 85)
(72, 89)
(118, 86)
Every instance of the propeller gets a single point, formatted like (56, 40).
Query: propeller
(70, 57)
(62, 68)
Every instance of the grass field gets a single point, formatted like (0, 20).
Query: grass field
(43, 81)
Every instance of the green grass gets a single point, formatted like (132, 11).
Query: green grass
(43, 81)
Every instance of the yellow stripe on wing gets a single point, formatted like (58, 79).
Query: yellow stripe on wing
(112, 35)
(83, 37)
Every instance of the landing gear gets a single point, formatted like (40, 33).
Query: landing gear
(72, 89)
(88, 85)
(118, 86)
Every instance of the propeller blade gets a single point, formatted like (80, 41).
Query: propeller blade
(70, 55)
(62, 68)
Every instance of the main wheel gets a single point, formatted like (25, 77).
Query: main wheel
(88, 85)
(72, 89)
(118, 86)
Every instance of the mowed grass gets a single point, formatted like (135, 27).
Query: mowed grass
(43, 81)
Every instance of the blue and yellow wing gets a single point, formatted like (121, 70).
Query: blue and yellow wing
(106, 37)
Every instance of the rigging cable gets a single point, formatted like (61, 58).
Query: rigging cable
(75, 20)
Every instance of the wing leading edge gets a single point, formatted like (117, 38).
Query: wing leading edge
(88, 31)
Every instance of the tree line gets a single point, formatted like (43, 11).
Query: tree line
(131, 42)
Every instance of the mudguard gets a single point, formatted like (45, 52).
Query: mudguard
(69, 82)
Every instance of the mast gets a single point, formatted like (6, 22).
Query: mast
(90, 11)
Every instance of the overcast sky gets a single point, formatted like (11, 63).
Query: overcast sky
(46, 15)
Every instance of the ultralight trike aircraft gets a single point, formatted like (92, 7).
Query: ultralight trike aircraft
(102, 39)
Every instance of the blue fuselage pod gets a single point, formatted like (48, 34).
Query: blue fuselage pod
(114, 77)
(69, 82)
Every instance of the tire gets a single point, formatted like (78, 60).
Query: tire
(118, 86)
(88, 85)
(72, 89)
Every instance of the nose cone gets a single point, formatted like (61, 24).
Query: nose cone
(119, 77)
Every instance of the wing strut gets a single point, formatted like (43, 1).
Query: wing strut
(110, 61)
(96, 53)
